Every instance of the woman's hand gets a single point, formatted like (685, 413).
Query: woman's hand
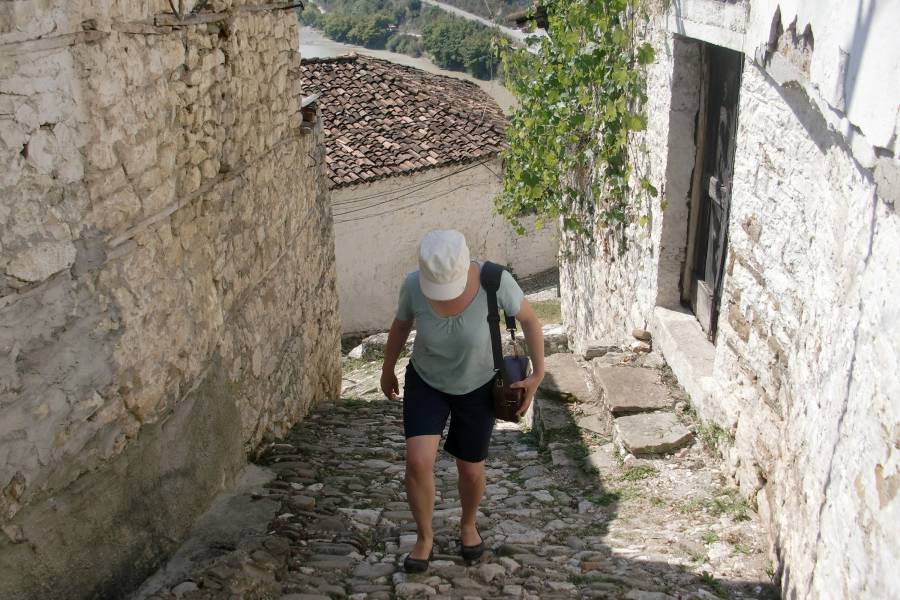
(397, 337)
(389, 384)
(534, 337)
(530, 385)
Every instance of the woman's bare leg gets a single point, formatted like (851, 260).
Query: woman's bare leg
(421, 451)
(471, 489)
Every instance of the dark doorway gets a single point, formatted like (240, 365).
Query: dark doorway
(711, 186)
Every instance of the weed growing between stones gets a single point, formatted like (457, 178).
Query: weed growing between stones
(605, 498)
(713, 584)
(710, 537)
(696, 556)
(729, 502)
(714, 438)
(740, 548)
(639, 472)
(548, 311)
(350, 365)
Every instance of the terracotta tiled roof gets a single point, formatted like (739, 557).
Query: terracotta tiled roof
(383, 119)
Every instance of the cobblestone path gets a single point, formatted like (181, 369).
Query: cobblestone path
(648, 531)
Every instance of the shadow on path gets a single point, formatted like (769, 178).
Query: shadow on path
(343, 525)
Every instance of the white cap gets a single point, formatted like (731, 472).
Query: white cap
(443, 264)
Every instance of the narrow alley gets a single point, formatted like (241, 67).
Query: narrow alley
(205, 230)
(556, 524)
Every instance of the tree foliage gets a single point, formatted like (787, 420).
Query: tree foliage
(453, 42)
(580, 96)
(461, 45)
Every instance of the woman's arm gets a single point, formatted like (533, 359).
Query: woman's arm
(397, 337)
(534, 337)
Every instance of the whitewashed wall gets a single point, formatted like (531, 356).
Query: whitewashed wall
(804, 373)
(378, 227)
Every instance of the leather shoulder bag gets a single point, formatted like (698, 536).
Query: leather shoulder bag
(507, 369)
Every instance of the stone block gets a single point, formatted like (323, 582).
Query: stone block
(39, 261)
(651, 433)
(627, 390)
(565, 379)
(603, 459)
(641, 334)
(595, 349)
(549, 417)
(596, 418)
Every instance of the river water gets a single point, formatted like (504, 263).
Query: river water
(313, 44)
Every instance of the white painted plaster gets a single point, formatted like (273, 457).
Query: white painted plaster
(805, 373)
(378, 227)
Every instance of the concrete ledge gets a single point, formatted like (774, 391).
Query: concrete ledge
(722, 24)
(678, 336)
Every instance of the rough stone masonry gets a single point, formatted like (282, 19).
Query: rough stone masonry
(802, 382)
(167, 287)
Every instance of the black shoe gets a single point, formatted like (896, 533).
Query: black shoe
(417, 565)
(472, 553)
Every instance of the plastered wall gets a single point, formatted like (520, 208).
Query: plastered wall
(378, 227)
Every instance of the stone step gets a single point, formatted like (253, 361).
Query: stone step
(549, 417)
(653, 433)
(629, 390)
(555, 340)
(565, 379)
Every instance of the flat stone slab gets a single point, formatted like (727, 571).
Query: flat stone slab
(594, 416)
(603, 459)
(628, 390)
(565, 379)
(651, 433)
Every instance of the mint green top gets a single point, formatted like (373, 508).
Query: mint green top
(453, 354)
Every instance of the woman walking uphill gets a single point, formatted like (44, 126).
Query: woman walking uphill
(450, 374)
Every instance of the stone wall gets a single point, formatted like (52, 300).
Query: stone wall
(167, 283)
(377, 240)
(803, 376)
(613, 284)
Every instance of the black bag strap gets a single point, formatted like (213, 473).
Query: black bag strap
(490, 281)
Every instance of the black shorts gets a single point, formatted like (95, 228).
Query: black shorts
(425, 412)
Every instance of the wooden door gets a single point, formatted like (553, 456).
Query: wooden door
(712, 196)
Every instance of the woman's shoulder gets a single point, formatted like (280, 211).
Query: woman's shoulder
(411, 281)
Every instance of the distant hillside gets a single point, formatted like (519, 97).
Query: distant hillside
(409, 27)
(490, 9)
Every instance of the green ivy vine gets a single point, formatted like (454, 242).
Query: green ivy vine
(580, 95)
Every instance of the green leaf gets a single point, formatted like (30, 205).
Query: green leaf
(579, 96)
(645, 54)
(649, 187)
(635, 122)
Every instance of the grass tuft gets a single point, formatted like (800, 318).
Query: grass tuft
(548, 311)
(729, 502)
(714, 438)
(639, 472)
(714, 584)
